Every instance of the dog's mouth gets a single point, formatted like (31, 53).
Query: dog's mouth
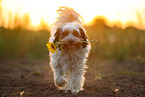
(73, 46)
(70, 45)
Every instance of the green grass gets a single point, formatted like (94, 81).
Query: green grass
(20, 43)
(117, 43)
(112, 42)
(128, 73)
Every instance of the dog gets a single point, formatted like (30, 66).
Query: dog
(68, 64)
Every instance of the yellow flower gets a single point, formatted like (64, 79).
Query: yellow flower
(51, 47)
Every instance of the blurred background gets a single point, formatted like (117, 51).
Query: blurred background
(116, 62)
(117, 25)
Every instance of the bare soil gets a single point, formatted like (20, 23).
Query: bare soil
(103, 79)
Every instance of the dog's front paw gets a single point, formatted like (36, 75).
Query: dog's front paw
(60, 81)
(74, 91)
(68, 89)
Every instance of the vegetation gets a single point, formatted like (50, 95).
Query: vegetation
(112, 42)
(20, 43)
(116, 43)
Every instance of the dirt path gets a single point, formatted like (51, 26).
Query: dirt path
(104, 79)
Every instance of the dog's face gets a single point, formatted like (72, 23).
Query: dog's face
(72, 36)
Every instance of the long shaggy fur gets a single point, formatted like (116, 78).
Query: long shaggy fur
(66, 15)
(68, 64)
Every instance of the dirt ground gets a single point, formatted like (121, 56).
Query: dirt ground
(25, 78)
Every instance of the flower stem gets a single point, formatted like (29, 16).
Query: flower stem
(89, 41)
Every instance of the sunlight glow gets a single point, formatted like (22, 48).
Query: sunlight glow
(125, 12)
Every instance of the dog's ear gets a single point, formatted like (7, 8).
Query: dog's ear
(57, 35)
(84, 37)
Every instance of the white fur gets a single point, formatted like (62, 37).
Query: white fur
(69, 65)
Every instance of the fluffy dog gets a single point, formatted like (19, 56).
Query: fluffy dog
(68, 64)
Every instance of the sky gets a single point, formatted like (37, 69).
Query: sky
(125, 12)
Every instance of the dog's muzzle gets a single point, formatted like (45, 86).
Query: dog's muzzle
(71, 45)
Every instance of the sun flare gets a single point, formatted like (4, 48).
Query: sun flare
(126, 12)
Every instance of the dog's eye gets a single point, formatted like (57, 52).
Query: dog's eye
(75, 33)
(64, 34)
